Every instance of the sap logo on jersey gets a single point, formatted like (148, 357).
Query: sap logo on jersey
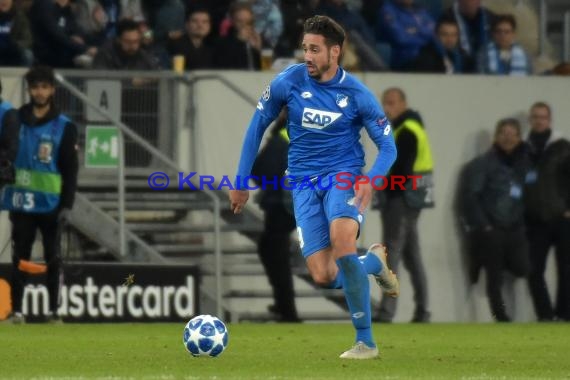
(318, 119)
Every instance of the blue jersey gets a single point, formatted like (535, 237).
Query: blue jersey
(324, 124)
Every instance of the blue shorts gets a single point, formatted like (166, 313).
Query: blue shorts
(315, 209)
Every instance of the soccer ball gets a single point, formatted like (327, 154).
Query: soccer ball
(205, 335)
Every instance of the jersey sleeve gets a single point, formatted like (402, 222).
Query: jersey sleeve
(268, 107)
(380, 131)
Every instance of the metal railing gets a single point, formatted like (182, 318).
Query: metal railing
(124, 130)
(144, 104)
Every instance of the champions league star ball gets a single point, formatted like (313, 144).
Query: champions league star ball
(205, 335)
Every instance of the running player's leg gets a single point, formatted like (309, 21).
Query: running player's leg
(345, 222)
(314, 238)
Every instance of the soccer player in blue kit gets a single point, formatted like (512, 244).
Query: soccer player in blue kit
(327, 109)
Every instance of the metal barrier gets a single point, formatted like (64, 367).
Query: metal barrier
(142, 101)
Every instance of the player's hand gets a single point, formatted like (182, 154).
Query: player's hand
(362, 195)
(238, 199)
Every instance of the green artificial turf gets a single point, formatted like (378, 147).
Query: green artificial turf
(282, 351)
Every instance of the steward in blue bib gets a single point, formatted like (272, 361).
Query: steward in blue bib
(42, 195)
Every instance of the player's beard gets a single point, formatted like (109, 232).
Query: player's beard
(318, 73)
(42, 104)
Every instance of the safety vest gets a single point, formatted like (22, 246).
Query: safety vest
(283, 133)
(422, 196)
(4, 107)
(38, 180)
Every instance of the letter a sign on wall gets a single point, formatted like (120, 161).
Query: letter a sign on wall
(107, 95)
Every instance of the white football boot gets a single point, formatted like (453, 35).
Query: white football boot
(360, 351)
(386, 278)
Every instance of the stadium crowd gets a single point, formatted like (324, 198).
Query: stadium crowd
(397, 35)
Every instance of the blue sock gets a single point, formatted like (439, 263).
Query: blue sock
(338, 282)
(357, 293)
(372, 263)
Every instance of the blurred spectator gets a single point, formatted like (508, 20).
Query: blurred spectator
(474, 22)
(443, 54)
(91, 20)
(57, 39)
(218, 10)
(294, 12)
(133, 10)
(193, 45)
(494, 211)
(503, 56)
(401, 209)
(240, 49)
(548, 213)
(349, 19)
(15, 36)
(407, 28)
(268, 21)
(124, 52)
(116, 10)
(169, 21)
(112, 9)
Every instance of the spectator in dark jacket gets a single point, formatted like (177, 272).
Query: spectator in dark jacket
(15, 35)
(407, 28)
(548, 213)
(444, 55)
(494, 211)
(194, 44)
(125, 52)
(241, 48)
(56, 36)
(474, 22)
(349, 19)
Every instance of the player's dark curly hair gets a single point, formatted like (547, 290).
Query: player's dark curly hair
(39, 74)
(328, 28)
